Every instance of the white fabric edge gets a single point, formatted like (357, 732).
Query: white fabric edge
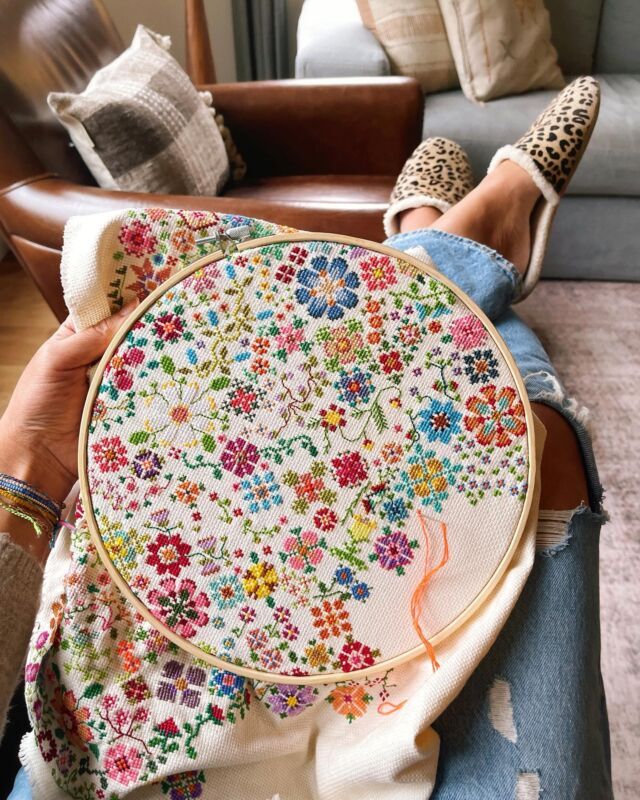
(81, 264)
(415, 201)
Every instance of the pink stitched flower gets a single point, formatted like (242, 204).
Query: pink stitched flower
(180, 606)
(240, 457)
(123, 764)
(303, 549)
(109, 454)
(137, 238)
(378, 272)
(289, 338)
(468, 332)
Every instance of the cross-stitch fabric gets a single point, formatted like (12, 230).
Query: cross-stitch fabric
(118, 710)
(268, 438)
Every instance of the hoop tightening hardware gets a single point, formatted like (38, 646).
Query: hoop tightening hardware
(228, 240)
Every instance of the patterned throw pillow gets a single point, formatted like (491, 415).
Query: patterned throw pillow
(413, 36)
(140, 125)
(501, 48)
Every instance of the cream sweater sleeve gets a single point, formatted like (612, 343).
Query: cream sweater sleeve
(20, 583)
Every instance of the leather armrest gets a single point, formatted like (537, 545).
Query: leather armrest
(359, 126)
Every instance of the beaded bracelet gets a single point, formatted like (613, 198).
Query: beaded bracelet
(25, 501)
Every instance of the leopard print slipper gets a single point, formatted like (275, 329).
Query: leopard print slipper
(550, 152)
(437, 174)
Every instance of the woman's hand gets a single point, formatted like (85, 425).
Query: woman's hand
(39, 429)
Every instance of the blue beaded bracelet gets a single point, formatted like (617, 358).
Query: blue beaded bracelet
(30, 494)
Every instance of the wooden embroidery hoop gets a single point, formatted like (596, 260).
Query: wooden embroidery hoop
(186, 645)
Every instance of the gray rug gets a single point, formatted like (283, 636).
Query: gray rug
(592, 332)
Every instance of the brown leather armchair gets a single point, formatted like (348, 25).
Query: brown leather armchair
(322, 155)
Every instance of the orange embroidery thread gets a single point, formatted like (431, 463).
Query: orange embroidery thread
(419, 593)
(417, 602)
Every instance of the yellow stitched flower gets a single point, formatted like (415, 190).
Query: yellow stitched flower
(260, 580)
(362, 528)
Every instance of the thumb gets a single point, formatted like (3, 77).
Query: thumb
(83, 348)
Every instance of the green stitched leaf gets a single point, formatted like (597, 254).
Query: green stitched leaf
(166, 362)
(221, 382)
(208, 443)
(95, 750)
(93, 690)
(138, 437)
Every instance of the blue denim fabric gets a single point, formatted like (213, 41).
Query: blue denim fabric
(549, 651)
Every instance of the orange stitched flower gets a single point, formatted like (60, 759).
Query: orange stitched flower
(72, 718)
(331, 618)
(350, 701)
(187, 492)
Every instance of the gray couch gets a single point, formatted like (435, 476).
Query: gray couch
(597, 230)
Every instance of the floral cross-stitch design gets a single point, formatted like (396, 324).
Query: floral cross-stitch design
(354, 404)
(287, 412)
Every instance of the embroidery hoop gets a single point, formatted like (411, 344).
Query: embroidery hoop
(190, 647)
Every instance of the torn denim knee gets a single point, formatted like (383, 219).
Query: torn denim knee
(555, 530)
(544, 387)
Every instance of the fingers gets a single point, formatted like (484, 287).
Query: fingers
(73, 350)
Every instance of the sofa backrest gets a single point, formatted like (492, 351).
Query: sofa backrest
(596, 35)
(574, 32)
(618, 48)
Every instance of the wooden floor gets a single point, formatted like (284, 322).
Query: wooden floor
(25, 322)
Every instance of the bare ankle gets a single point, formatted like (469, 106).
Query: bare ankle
(415, 218)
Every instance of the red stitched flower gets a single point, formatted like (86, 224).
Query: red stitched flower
(109, 453)
(349, 469)
(325, 519)
(168, 327)
(391, 362)
(168, 553)
(355, 655)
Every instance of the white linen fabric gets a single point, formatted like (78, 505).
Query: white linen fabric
(97, 667)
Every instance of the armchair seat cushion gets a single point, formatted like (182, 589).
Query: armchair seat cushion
(338, 190)
(611, 164)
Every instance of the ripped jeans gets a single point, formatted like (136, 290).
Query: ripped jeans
(531, 722)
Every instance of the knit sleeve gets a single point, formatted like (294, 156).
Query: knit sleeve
(20, 582)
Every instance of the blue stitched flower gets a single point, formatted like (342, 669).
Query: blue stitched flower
(326, 287)
(344, 576)
(360, 591)
(481, 366)
(354, 386)
(428, 477)
(225, 684)
(261, 492)
(439, 420)
(395, 510)
(226, 591)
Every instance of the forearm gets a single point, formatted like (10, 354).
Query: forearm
(20, 579)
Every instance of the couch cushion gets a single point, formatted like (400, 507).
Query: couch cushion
(574, 32)
(618, 49)
(332, 42)
(611, 165)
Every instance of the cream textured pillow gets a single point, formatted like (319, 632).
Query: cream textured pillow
(413, 36)
(140, 125)
(501, 47)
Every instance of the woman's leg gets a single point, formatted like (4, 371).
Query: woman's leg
(497, 213)
(531, 722)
